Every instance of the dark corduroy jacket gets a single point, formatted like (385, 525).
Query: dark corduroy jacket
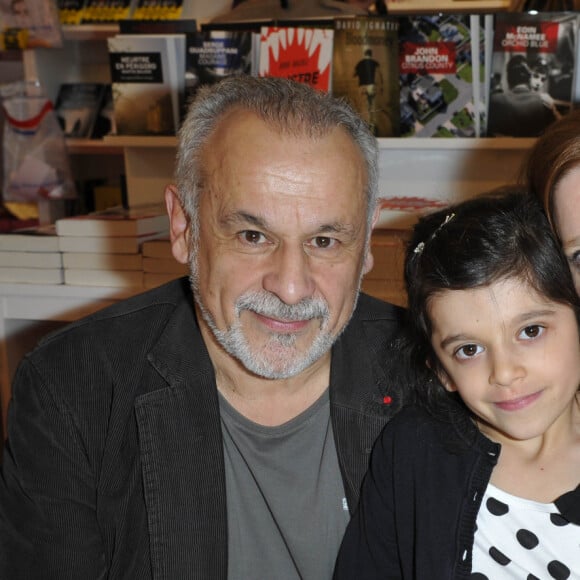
(114, 467)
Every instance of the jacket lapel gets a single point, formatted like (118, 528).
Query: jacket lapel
(182, 457)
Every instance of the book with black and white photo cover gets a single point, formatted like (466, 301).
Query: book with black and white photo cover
(148, 82)
(441, 60)
(212, 55)
(77, 107)
(532, 71)
(300, 53)
(365, 70)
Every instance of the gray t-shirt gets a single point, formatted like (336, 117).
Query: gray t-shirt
(287, 510)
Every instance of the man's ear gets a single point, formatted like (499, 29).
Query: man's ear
(369, 260)
(179, 230)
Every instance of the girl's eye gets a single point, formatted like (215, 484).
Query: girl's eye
(532, 331)
(468, 351)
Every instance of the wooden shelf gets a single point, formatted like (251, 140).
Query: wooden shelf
(83, 32)
(92, 147)
(140, 141)
(430, 6)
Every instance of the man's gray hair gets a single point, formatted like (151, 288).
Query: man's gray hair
(290, 107)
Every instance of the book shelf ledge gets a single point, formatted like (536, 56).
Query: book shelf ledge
(417, 6)
(92, 146)
(140, 141)
(458, 144)
(417, 144)
(89, 31)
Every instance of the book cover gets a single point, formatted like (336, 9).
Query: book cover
(117, 221)
(440, 79)
(298, 53)
(103, 244)
(148, 82)
(95, 261)
(15, 259)
(365, 70)
(212, 55)
(77, 107)
(105, 120)
(33, 239)
(532, 72)
(30, 24)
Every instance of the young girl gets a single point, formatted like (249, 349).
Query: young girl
(480, 477)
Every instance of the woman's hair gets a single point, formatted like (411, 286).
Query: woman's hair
(554, 154)
(498, 235)
(289, 107)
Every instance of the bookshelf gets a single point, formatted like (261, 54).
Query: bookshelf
(450, 168)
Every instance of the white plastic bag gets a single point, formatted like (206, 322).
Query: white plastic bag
(35, 160)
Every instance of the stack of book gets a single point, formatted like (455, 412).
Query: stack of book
(31, 256)
(385, 280)
(104, 248)
(159, 265)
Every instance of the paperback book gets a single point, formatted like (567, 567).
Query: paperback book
(441, 72)
(70, 11)
(298, 53)
(77, 107)
(148, 82)
(215, 54)
(157, 10)
(33, 239)
(103, 11)
(107, 278)
(103, 244)
(116, 222)
(532, 72)
(365, 70)
(24, 275)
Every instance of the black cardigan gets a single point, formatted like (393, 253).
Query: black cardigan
(419, 503)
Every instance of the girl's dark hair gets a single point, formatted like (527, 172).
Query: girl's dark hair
(491, 237)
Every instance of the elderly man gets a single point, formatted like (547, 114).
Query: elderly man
(221, 427)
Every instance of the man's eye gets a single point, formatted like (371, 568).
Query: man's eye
(323, 242)
(468, 351)
(574, 260)
(252, 237)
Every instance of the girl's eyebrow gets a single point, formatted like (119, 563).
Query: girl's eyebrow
(520, 319)
(455, 338)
